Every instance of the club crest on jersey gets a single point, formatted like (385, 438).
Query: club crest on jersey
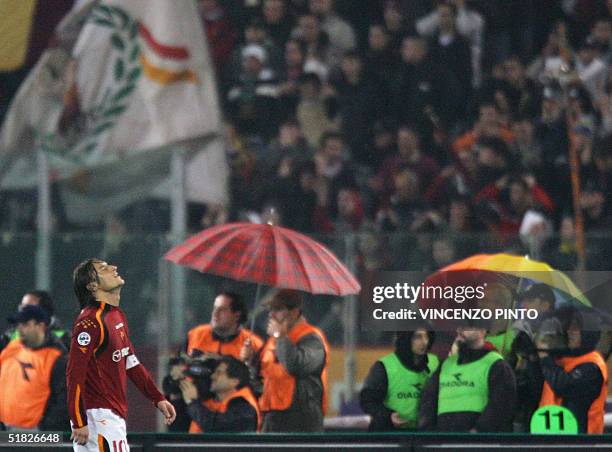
(83, 338)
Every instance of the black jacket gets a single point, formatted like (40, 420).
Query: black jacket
(240, 416)
(497, 415)
(580, 387)
(374, 392)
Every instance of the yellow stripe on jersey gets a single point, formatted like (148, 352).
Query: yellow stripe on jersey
(77, 407)
(99, 319)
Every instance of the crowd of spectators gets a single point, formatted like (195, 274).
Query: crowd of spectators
(447, 117)
(387, 116)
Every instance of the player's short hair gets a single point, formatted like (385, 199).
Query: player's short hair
(83, 274)
(236, 369)
(237, 305)
(44, 300)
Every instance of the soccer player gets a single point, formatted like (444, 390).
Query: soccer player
(101, 357)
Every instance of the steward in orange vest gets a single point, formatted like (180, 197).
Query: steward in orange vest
(233, 408)
(223, 336)
(293, 366)
(33, 376)
(578, 380)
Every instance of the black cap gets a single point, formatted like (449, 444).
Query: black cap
(30, 312)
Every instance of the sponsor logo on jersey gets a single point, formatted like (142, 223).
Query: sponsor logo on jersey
(120, 353)
(119, 325)
(83, 338)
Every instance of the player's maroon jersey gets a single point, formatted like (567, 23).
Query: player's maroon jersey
(101, 357)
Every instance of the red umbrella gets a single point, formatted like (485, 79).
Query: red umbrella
(270, 255)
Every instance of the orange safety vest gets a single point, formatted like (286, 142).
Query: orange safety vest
(279, 385)
(221, 407)
(25, 378)
(201, 338)
(597, 408)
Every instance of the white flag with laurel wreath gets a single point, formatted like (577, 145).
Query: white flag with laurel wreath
(131, 81)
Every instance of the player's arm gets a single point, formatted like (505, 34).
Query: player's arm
(142, 379)
(86, 337)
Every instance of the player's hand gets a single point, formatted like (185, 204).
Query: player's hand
(168, 411)
(80, 435)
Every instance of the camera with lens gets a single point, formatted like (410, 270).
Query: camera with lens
(551, 336)
(198, 366)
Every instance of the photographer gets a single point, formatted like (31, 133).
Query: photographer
(576, 378)
(232, 408)
(198, 368)
(205, 345)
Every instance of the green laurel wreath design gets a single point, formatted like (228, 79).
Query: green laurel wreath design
(126, 72)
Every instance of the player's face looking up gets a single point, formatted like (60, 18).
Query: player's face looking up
(108, 278)
(223, 319)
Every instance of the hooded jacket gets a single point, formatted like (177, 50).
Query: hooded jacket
(579, 387)
(375, 387)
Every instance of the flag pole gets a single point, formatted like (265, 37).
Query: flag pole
(43, 223)
(351, 327)
(163, 338)
(178, 221)
(566, 56)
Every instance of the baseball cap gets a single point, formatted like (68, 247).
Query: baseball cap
(30, 312)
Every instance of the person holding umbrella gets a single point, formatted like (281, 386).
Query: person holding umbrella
(293, 368)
